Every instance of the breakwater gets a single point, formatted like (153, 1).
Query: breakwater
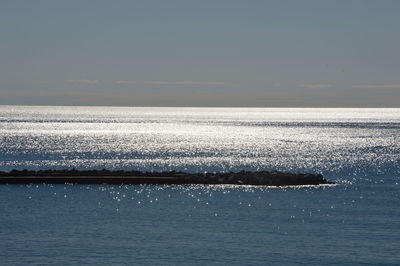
(265, 178)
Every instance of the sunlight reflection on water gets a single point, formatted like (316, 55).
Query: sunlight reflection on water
(336, 142)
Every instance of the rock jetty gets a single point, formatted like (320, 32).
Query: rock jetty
(263, 178)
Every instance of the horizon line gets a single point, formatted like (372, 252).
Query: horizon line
(255, 107)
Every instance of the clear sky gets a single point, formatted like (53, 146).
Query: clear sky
(309, 53)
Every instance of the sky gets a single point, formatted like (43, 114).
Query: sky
(282, 53)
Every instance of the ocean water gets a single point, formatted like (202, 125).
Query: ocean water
(355, 222)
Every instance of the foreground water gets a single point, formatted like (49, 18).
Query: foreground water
(354, 222)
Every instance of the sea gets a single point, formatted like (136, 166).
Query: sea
(354, 222)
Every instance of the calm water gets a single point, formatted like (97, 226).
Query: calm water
(354, 222)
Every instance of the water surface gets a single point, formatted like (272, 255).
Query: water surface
(354, 222)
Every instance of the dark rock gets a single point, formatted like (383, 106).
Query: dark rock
(264, 178)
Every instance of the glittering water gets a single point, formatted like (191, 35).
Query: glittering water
(354, 222)
(335, 142)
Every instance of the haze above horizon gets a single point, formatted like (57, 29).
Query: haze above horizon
(200, 53)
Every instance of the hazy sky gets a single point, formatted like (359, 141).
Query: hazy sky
(200, 53)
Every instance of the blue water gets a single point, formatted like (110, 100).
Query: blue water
(354, 222)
